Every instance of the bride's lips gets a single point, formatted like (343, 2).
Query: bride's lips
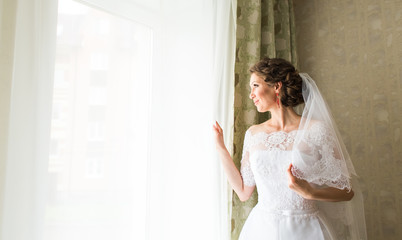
(255, 103)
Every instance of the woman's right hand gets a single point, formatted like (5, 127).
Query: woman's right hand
(218, 135)
(234, 177)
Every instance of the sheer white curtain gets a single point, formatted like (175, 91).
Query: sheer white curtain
(28, 32)
(189, 84)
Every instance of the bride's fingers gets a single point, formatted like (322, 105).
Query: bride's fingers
(218, 127)
(292, 178)
(289, 172)
(216, 130)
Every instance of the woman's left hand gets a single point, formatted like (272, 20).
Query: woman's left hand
(300, 186)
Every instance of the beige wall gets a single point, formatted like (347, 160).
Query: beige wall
(353, 49)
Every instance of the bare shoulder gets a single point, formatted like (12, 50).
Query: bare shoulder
(317, 124)
(253, 129)
(262, 127)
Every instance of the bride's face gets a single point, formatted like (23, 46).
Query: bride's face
(263, 96)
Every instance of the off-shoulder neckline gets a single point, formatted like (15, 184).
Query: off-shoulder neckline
(271, 133)
(313, 124)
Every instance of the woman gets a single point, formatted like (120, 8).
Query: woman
(299, 163)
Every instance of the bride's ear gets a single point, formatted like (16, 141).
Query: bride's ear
(278, 86)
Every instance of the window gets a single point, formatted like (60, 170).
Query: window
(101, 171)
(54, 147)
(142, 157)
(98, 78)
(103, 27)
(97, 95)
(99, 61)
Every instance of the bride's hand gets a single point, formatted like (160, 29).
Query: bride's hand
(218, 135)
(300, 186)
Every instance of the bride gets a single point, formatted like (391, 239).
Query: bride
(298, 163)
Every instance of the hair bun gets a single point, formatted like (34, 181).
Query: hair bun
(274, 70)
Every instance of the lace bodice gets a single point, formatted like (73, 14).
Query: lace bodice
(267, 156)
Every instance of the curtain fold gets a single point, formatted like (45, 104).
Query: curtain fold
(264, 28)
(25, 160)
(223, 70)
(7, 34)
(189, 177)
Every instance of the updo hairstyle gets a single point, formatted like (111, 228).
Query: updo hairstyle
(274, 70)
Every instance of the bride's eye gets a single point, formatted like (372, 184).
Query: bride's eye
(255, 85)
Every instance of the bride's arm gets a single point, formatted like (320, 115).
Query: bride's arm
(327, 194)
(234, 177)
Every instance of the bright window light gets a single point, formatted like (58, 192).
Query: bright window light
(98, 156)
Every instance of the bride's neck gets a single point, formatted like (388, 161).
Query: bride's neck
(284, 117)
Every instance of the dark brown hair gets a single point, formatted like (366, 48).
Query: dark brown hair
(274, 70)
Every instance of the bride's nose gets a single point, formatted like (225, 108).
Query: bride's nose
(252, 95)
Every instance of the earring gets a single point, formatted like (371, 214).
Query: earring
(277, 99)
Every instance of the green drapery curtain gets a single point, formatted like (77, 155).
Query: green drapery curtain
(264, 28)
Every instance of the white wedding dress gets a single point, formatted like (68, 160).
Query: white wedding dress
(280, 213)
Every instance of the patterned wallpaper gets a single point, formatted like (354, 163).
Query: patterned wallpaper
(353, 49)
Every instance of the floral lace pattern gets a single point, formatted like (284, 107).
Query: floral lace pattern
(320, 150)
(266, 158)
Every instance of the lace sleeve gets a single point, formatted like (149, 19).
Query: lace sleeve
(245, 168)
(322, 160)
